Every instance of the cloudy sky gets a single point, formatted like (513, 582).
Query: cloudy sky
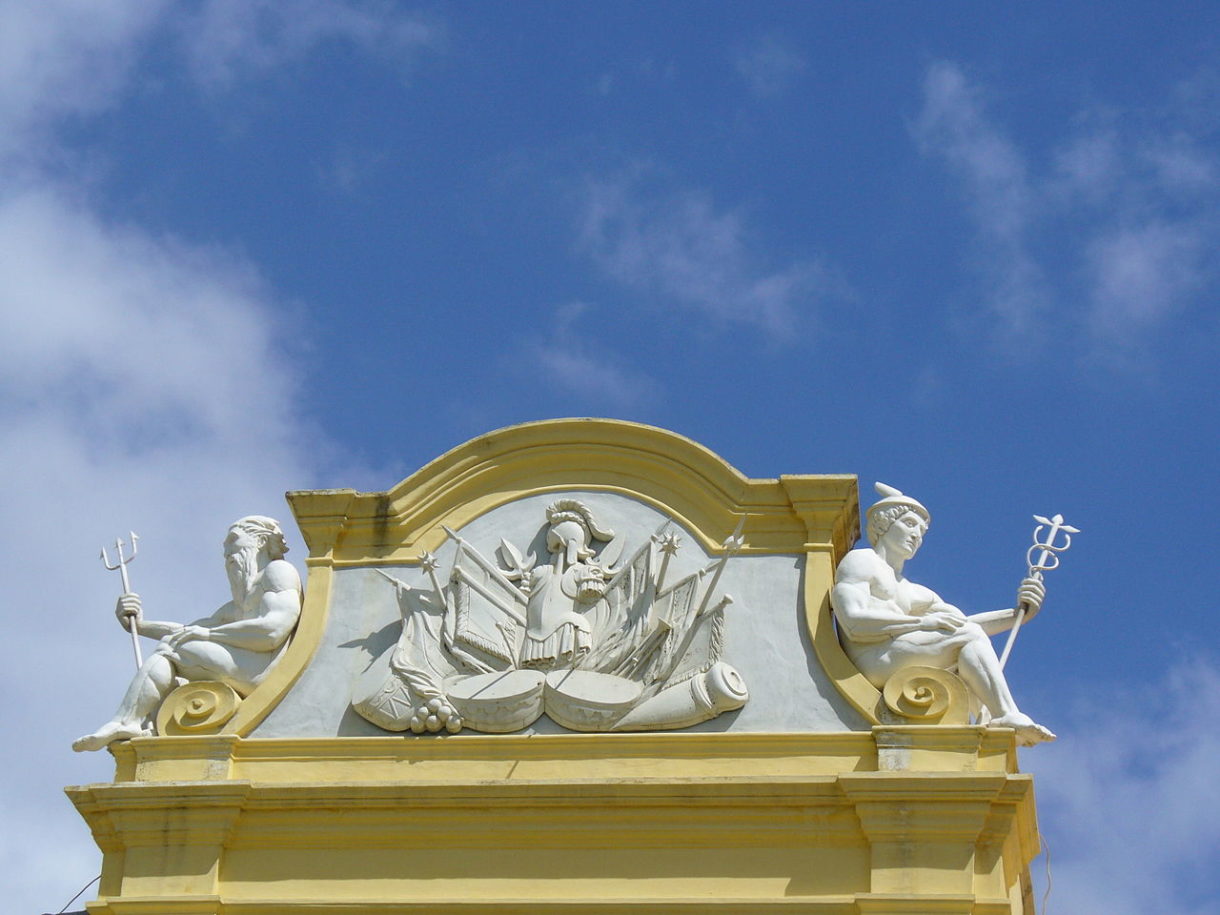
(970, 249)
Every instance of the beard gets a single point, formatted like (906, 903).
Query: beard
(242, 567)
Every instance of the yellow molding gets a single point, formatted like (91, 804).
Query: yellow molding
(661, 468)
(655, 905)
(636, 755)
(819, 580)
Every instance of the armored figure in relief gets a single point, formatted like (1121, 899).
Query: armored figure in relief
(593, 643)
(561, 594)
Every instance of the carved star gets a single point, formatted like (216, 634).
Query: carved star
(669, 544)
(428, 562)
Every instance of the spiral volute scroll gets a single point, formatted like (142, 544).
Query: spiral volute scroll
(927, 695)
(202, 707)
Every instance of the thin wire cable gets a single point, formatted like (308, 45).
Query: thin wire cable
(1046, 850)
(77, 896)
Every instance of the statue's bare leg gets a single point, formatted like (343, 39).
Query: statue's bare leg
(149, 686)
(979, 666)
(970, 650)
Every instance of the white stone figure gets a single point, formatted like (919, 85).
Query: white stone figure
(888, 623)
(236, 645)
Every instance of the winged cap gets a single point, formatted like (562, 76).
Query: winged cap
(892, 498)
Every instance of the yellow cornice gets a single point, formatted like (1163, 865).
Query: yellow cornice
(669, 471)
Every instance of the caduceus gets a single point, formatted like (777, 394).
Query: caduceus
(1041, 557)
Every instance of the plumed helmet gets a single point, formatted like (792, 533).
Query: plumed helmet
(574, 510)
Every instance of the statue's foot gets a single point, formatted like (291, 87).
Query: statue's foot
(107, 735)
(1029, 732)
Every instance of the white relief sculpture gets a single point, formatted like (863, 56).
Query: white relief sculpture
(236, 646)
(593, 643)
(888, 623)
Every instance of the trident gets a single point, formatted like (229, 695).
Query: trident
(121, 565)
(1048, 558)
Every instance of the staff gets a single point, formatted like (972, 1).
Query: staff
(121, 565)
(1048, 558)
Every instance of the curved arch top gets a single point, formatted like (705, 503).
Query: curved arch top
(670, 471)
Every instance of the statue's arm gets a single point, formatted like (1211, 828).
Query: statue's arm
(993, 622)
(279, 609)
(158, 629)
(278, 615)
(129, 608)
(865, 618)
(1030, 594)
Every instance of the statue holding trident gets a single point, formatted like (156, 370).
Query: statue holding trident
(888, 623)
(237, 645)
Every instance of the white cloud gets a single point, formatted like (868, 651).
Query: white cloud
(574, 365)
(769, 64)
(63, 58)
(1133, 196)
(1086, 166)
(350, 170)
(679, 247)
(953, 124)
(1129, 801)
(1140, 274)
(75, 58)
(228, 39)
(108, 309)
(1180, 165)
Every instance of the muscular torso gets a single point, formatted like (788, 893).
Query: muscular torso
(885, 585)
(279, 575)
(873, 603)
(245, 636)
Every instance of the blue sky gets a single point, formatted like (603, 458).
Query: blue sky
(967, 249)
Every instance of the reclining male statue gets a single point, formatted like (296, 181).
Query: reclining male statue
(236, 645)
(887, 622)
